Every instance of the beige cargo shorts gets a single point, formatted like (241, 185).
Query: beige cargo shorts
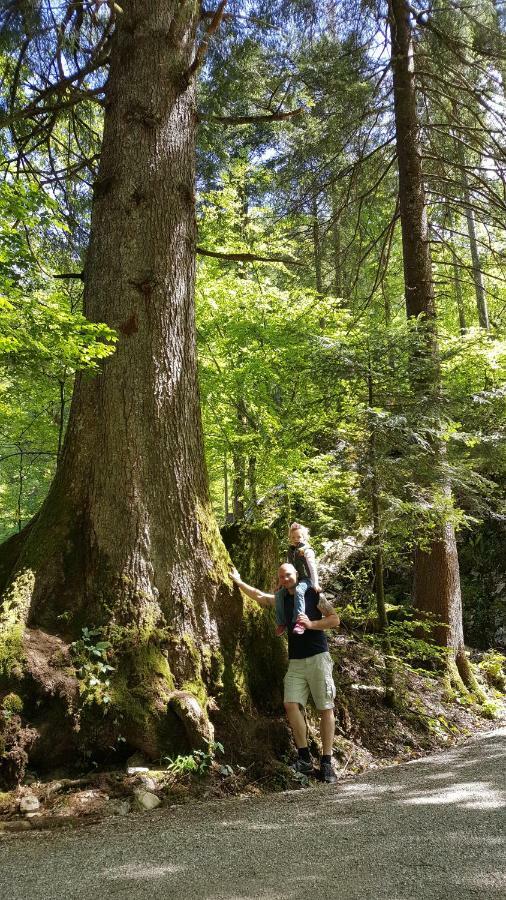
(312, 675)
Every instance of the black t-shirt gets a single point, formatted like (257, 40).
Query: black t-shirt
(300, 646)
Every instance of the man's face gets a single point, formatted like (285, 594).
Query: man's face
(287, 576)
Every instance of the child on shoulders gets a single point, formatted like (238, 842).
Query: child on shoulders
(302, 556)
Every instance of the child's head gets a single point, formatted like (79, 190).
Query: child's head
(298, 534)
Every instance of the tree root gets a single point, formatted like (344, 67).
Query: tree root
(467, 675)
(460, 679)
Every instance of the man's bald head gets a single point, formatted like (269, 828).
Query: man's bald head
(287, 575)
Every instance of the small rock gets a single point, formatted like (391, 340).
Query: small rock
(149, 784)
(118, 807)
(136, 763)
(146, 800)
(29, 804)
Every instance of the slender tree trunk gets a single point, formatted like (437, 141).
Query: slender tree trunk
(252, 485)
(458, 294)
(457, 283)
(379, 575)
(21, 474)
(436, 586)
(336, 249)
(126, 540)
(316, 246)
(479, 285)
(239, 463)
(225, 487)
(499, 41)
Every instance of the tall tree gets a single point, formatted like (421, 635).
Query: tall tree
(126, 541)
(436, 584)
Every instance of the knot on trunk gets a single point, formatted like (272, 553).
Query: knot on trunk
(198, 729)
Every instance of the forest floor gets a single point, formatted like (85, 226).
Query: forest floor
(369, 735)
(427, 830)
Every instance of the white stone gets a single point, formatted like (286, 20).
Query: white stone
(134, 770)
(29, 804)
(146, 800)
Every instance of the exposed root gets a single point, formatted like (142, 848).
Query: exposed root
(468, 677)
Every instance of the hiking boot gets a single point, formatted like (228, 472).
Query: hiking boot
(327, 773)
(303, 766)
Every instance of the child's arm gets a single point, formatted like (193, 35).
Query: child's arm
(313, 571)
(260, 596)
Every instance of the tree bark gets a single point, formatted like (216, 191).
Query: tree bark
(126, 540)
(436, 584)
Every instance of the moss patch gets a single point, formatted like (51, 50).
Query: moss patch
(214, 542)
(13, 613)
(12, 704)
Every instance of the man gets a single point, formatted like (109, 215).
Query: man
(309, 668)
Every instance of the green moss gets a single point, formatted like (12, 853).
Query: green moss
(194, 684)
(198, 689)
(235, 693)
(192, 652)
(11, 651)
(13, 613)
(126, 702)
(148, 662)
(214, 543)
(213, 666)
(142, 683)
(12, 704)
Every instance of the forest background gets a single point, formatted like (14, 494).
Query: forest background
(329, 393)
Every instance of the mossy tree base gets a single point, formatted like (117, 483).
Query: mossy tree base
(167, 691)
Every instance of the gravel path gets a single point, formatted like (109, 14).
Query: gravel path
(433, 828)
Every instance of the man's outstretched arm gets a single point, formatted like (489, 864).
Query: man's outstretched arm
(260, 596)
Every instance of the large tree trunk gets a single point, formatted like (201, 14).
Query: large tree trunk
(436, 585)
(126, 540)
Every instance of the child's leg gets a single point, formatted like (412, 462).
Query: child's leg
(299, 603)
(279, 598)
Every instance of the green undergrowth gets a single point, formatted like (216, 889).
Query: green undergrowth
(425, 714)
